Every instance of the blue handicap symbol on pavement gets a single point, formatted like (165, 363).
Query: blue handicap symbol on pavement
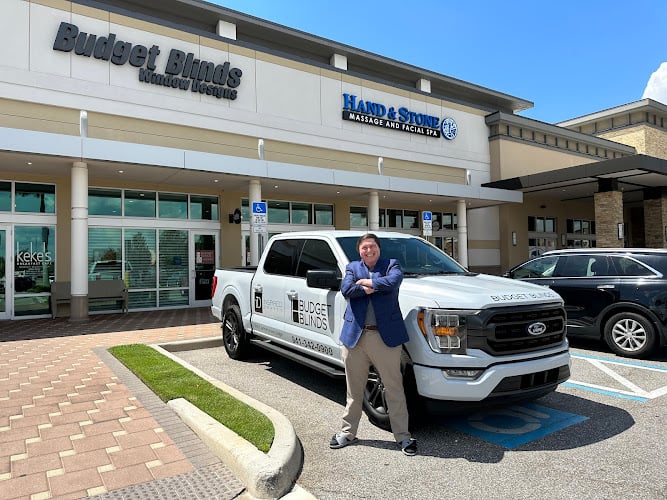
(515, 425)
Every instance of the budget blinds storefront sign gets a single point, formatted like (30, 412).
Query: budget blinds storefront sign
(402, 119)
(181, 71)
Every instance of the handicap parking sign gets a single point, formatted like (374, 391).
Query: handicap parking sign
(259, 216)
(427, 223)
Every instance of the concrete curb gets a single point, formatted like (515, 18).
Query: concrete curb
(265, 475)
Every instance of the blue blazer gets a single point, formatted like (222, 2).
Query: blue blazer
(387, 277)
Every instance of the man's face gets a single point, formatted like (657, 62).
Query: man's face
(369, 251)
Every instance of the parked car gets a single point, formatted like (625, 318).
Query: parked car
(107, 270)
(615, 294)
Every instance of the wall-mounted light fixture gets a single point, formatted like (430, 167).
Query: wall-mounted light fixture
(235, 218)
(513, 238)
(620, 230)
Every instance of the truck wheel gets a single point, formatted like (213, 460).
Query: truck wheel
(233, 334)
(630, 334)
(375, 403)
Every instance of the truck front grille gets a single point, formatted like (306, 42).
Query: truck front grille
(508, 330)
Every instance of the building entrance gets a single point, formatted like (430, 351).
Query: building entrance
(204, 253)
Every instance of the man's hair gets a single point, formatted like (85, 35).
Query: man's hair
(368, 236)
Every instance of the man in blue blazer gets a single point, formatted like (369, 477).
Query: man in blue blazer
(373, 334)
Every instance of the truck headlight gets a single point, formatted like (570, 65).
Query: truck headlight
(445, 331)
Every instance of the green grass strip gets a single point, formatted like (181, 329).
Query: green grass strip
(170, 380)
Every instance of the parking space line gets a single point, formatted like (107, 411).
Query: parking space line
(622, 380)
(611, 361)
(603, 390)
(605, 365)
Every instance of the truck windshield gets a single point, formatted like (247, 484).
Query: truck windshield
(415, 255)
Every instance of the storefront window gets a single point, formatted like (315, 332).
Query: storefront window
(245, 209)
(278, 212)
(394, 218)
(537, 246)
(35, 198)
(139, 204)
(358, 217)
(451, 247)
(410, 219)
(302, 213)
(580, 226)
(204, 207)
(285, 212)
(104, 202)
(140, 268)
(34, 268)
(542, 224)
(173, 206)
(173, 270)
(324, 215)
(5, 196)
(105, 261)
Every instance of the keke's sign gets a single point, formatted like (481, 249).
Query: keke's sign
(403, 119)
(182, 71)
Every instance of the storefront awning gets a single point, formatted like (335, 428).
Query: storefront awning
(633, 175)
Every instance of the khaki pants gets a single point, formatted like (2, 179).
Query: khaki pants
(371, 350)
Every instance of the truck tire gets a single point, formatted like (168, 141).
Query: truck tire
(375, 404)
(630, 334)
(233, 334)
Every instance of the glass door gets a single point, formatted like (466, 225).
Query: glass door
(6, 296)
(204, 252)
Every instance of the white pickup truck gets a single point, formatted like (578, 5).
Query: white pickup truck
(474, 338)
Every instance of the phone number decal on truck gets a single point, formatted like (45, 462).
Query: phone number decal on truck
(313, 346)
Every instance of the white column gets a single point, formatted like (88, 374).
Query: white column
(462, 218)
(79, 241)
(373, 211)
(255, 194)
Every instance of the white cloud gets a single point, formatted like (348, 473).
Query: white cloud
(656, 88)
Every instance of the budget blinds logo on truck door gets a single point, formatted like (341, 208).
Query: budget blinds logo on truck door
(401, 119)
(310, 314)
(181, 71)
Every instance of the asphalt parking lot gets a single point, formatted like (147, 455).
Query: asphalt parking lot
(601, 435)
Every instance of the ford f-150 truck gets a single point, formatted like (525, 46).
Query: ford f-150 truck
(474, 338)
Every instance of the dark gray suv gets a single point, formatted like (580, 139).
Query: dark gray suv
(617, 294)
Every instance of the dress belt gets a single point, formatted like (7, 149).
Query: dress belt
(370, 327)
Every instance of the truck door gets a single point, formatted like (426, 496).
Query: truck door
(314, 315)
(267, 293)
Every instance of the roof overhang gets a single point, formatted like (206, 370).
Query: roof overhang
(633, 174)
(201, 18)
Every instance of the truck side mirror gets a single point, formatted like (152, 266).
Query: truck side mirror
(323, 279)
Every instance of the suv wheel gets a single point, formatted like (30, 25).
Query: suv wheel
(630, 334)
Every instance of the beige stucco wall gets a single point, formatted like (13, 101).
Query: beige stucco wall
(511, 158)
(515, 218)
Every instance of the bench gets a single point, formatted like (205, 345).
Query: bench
(98, 290)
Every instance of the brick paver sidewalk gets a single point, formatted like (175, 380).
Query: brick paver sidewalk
(71, 428)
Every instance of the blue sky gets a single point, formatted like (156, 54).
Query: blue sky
(569, 57)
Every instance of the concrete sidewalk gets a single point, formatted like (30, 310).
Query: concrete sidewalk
(75, 423)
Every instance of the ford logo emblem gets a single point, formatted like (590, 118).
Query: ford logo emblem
(537, 328)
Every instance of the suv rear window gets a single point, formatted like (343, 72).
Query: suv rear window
(656, 261)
